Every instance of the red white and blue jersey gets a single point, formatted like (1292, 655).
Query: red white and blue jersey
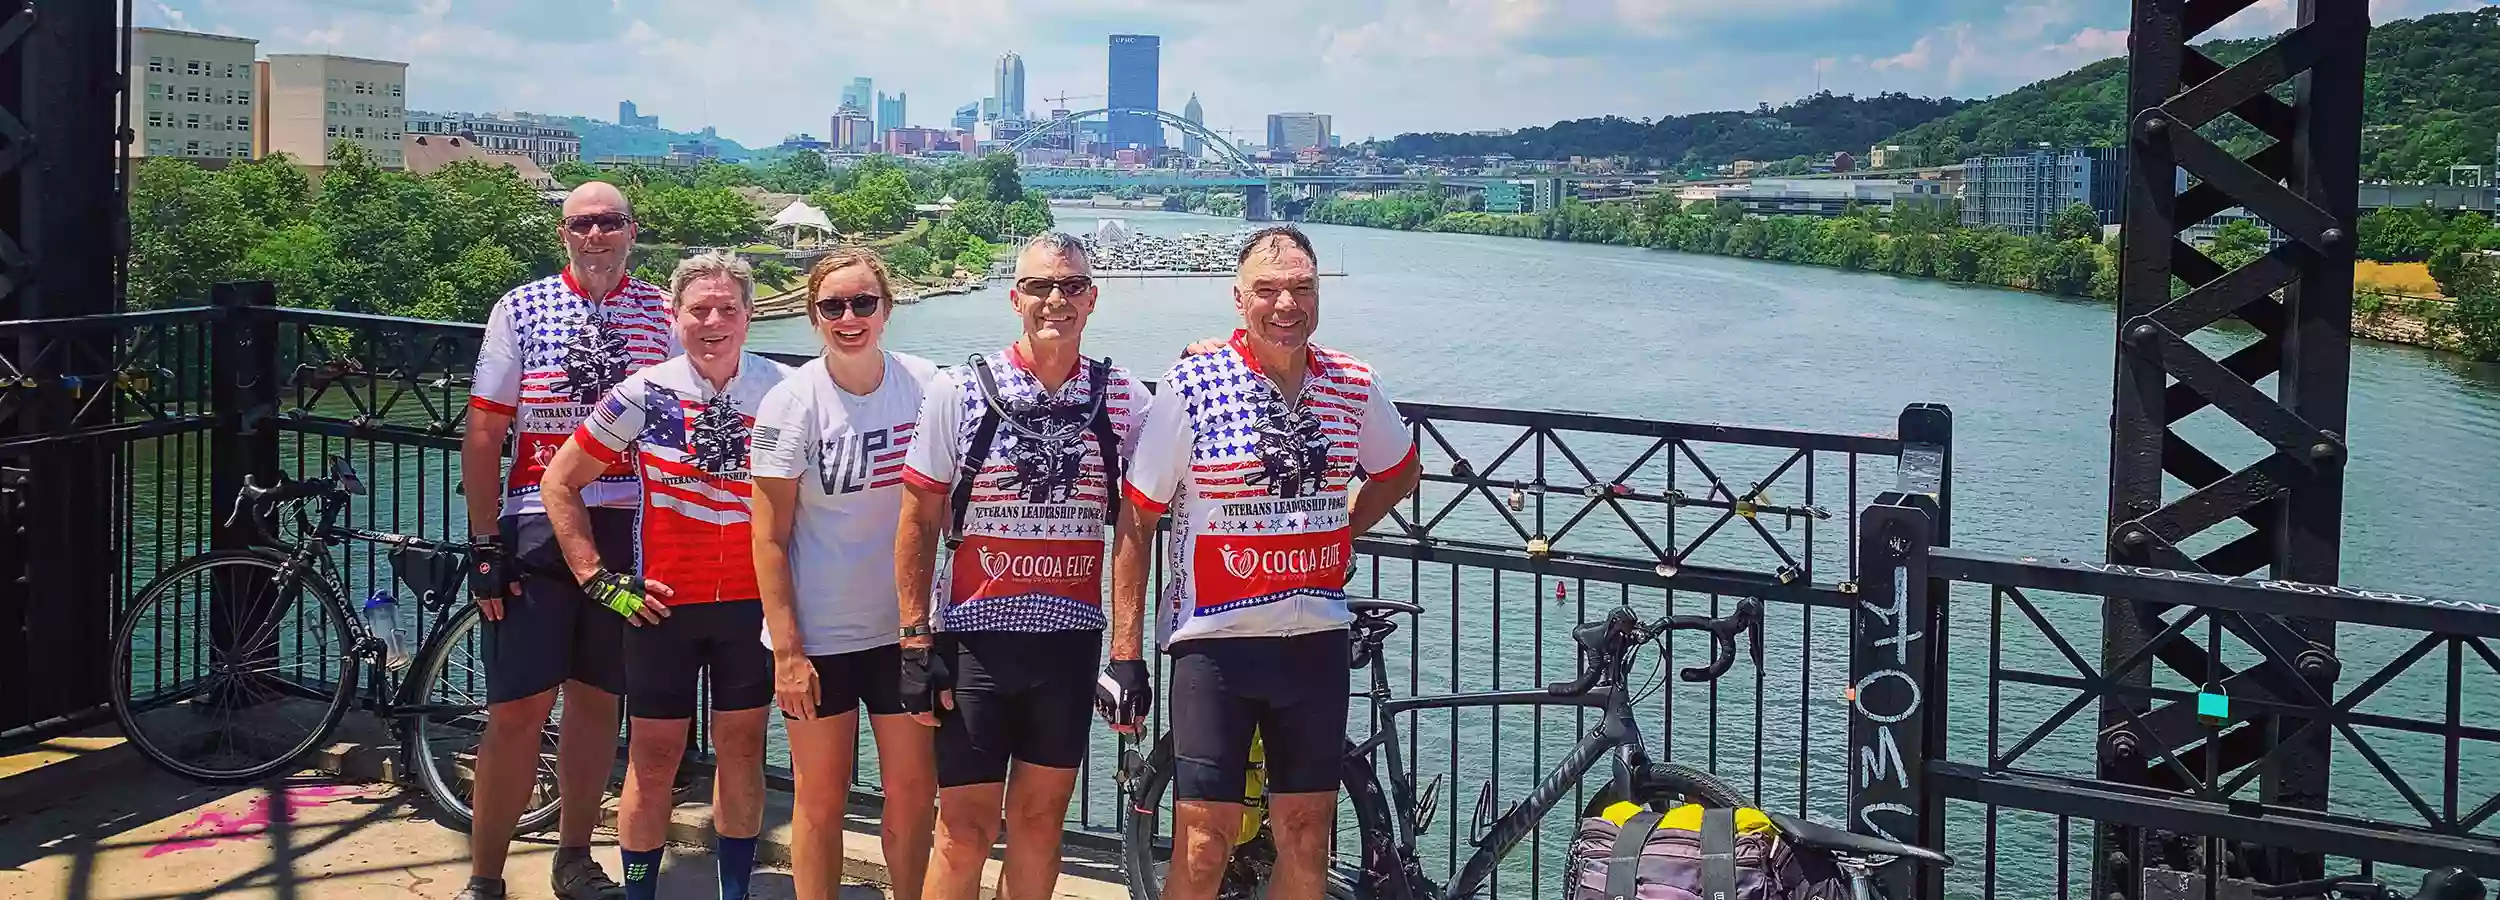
(689, 444)
(1258, 486)
(1034, 533)
(549, 353)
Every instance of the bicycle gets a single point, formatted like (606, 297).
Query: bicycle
(234, 664)
(1388, 867)
(2450, 883)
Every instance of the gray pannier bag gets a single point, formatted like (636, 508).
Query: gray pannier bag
(1640, 861)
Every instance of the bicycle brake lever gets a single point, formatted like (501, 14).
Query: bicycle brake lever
(1753, 628)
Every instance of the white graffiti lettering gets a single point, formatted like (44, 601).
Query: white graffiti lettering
(1908, 709)
(1866, 815)
(1882, 762)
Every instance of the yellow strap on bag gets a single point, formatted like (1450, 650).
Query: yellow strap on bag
(1253, 789)
(1688, 818)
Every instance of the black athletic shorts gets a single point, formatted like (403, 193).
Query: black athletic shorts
(848, 681)
(1292, 689)
(552, 632)
(724, 638)
(1026, 696)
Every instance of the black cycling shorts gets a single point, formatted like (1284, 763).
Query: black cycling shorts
(723, 638)
(553, 632)
(1026, 696)
(847, 681)
(1291, 689)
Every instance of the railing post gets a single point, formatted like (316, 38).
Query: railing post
(243, 395)
(1890, 682)
(1926, 431)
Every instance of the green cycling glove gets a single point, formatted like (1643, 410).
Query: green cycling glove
(617, 591)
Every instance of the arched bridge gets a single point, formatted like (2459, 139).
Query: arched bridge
(1232, 156)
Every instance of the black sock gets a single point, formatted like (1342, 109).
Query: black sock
(642, 873)
(737, 864)
(491, 888)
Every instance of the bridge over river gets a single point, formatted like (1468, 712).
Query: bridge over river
(2225, 619)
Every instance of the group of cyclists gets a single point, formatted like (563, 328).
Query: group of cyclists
(870, 530)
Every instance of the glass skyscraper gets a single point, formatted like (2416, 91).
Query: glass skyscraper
(1136, 70)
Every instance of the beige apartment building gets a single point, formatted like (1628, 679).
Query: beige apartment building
(193, 96)
(311, 102)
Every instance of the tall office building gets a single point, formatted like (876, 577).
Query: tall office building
(967, 116)
(195, 95)
(1136, 73)
(312, 101)
(989, 109)
(1293, 132)
(630, 116)
(1010, 87)
(889, 113)
(860, 94)
(853, 129)
(1191, 146)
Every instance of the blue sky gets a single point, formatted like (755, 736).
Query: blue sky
(761, 69)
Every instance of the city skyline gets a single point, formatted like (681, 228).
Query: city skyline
(1379, 67)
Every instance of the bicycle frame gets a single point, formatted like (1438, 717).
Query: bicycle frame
(1616, 733)
(393, 699)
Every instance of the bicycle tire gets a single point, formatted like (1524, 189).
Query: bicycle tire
(144, 721)
(1141, 846)
(1685, 780)
(438, 767)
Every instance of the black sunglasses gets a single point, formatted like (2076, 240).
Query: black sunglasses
(610, 222)
(1068, 287)
(862, 305)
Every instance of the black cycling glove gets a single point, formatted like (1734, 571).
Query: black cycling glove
(1124, 697)
(491, 575)
(925, 674)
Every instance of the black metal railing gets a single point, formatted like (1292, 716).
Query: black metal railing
(2404, 698)
(1526, 523)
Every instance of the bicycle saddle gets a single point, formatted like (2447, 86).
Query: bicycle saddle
(1808, 834)
(1376, 605)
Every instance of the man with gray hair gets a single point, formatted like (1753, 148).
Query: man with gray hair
(1016, 470)
(683, 427)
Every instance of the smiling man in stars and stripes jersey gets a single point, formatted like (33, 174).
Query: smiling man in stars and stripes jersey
(552, 348)
(1254, 448)
(684, 427)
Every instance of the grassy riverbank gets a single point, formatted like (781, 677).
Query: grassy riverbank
(1916, 242)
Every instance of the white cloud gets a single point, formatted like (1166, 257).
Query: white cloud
(173, 16)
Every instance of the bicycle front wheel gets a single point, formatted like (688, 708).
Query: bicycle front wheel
(228, 669)
(449, 719)
(1146, 843)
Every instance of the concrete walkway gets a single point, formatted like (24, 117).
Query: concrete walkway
(84, 817)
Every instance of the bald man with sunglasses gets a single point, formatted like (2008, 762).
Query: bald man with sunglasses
(552, 348)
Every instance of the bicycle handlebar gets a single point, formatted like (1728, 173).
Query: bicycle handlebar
(1622, 631)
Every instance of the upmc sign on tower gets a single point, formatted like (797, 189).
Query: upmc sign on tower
(1136, 83)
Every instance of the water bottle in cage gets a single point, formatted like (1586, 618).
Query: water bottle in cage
(381, 614)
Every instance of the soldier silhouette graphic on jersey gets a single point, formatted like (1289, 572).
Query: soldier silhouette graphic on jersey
(719, 441)
(1046, 471)
(1293, 450)
(594, 361)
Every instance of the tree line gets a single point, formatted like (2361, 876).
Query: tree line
(1928, 241)
(445, 245)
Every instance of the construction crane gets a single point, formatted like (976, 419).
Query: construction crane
(1061, 101)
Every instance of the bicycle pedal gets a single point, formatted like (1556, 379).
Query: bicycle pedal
(1425, 806)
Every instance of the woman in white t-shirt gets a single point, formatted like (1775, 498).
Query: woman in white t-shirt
(827, 460)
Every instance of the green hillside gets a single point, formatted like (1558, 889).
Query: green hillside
(2433, 101)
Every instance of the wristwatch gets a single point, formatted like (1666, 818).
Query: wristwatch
(920, 630)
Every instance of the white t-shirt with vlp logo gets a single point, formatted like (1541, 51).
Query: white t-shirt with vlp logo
(846, 451)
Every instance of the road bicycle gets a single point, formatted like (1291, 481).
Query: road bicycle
(1385, 865)
(235, 664)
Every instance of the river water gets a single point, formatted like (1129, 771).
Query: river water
(1545, 325)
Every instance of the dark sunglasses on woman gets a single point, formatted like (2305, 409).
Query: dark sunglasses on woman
(862, 305)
